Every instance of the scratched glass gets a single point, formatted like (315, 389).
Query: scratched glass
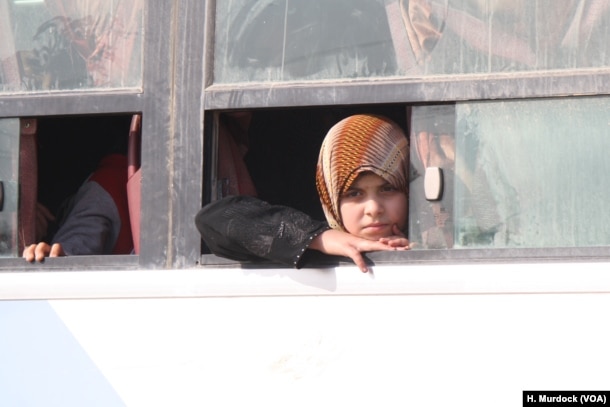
(524, 173)
(293, 40)
(9, 168)
(70, 44)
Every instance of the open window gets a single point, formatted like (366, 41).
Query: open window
(273, 153)
(515, 174)
(48, 166)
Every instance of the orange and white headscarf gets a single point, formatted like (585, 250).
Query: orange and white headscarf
(357, 144)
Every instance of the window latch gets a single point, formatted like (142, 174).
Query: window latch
(433, 183)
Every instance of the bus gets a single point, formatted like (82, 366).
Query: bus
(506, 290)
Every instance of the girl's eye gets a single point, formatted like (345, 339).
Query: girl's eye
(388, 188)
(351, 193)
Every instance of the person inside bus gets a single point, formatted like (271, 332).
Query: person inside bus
(362, 181)
(94, 221)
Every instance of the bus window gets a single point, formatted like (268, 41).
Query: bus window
(64, 45)
(316, 39)
(502, 174)
(282, 40)
(525, 173)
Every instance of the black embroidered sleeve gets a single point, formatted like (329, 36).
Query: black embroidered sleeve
(248, 229)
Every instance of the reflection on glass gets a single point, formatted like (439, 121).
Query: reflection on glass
(9, 164)
(487, 36)
(70, 44)
(537, 172)
(524, 174)
(284, 40)
(432, 145)
(275, 40)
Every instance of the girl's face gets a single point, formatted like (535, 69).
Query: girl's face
(372, 206)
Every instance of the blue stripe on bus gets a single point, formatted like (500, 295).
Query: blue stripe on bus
(42, 364)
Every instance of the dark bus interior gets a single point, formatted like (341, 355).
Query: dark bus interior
(69, 149)
(282, 147)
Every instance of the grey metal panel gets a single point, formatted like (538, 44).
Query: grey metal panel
(118, 262)
(157, 160)
(410, 90)
(186, 166)
(445, 256)
(70, 103)
(172, 135)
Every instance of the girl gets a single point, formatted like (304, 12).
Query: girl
(362, 180)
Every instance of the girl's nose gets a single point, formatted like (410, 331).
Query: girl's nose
(373, 207)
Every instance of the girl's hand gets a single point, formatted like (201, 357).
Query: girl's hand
(398, 241)
(338, 243)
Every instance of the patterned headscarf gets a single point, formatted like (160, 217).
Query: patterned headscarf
(358, 144)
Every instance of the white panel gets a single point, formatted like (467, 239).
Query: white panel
(475, 350)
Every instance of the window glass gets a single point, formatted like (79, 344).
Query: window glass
(276, 40)
(516, 174)
(70, 44)
(9, 162)
(432, 145)
(286, 40)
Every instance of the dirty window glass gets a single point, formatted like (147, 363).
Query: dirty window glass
(9, 164)
(515, 174)
(70, 44)
(288, 40)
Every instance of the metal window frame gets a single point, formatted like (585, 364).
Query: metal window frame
(409, 90)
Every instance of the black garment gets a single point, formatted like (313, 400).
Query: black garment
(244, 228)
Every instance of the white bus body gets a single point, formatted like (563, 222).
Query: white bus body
(476, 335)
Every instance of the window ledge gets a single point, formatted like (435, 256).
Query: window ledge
(404, 279)
(71, 263)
